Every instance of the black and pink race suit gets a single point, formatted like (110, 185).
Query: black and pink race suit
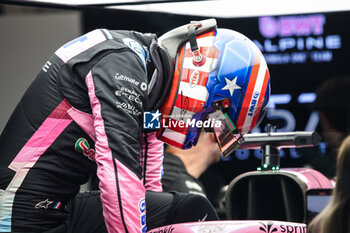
(84, 111)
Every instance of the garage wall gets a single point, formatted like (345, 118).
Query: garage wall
(27, 40)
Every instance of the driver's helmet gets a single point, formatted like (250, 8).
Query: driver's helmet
(221, 83)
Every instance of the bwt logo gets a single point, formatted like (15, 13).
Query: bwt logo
(151, 120)
(284, 26)
(253, 103)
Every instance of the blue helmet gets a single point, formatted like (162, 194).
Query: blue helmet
(221, 83)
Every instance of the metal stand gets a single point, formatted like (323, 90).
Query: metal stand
(271, 143)
(270, 154)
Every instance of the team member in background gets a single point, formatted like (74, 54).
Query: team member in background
(182, 168)
(335, 217)
(332, 103)
(84, 113)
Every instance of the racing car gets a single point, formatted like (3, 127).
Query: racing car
(269, 200)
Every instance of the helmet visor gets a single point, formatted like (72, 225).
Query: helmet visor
(226, 133)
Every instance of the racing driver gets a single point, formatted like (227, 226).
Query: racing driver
(104, 103)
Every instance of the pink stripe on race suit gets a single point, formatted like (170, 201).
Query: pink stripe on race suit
(84, 120)
(131, 188)
(132, 192)
(41, 140)
(47, 133)
(154, 162)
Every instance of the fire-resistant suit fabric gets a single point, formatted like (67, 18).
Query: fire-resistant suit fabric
(84, 111)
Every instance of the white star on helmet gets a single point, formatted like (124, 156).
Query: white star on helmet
(231, 85)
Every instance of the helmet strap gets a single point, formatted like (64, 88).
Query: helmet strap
(198, 59)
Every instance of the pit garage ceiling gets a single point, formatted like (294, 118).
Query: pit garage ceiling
(205, 8)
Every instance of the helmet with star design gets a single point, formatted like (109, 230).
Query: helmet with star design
(220, 83)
